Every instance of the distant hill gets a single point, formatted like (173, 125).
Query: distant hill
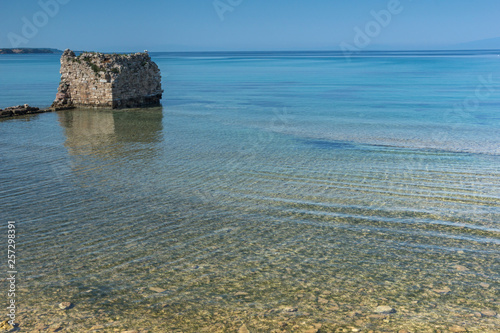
(483, 44)
(29, 51)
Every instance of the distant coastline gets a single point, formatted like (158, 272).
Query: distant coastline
(29, 51)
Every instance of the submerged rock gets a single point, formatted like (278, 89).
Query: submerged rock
(461, 268)
(5, 326)
(243, 329)
(311, 330)
(157, 289)
(488, 313)
(443, 291)
(65, 305)
(289, 309)
(384, 309)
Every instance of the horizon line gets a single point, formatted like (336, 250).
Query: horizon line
(262, 51)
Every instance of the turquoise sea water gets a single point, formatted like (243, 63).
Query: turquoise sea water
(276, 191)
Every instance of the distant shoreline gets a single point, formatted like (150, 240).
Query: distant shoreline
(30, 51)
(329, 53)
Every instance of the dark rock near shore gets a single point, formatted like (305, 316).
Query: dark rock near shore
(20, 110)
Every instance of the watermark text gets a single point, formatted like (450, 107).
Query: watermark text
(12, 272)
(363, 37)
(32, 25)
(223, 6)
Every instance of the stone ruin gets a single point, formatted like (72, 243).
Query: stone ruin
(108, 81)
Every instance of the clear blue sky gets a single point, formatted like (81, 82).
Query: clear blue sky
(178, 25)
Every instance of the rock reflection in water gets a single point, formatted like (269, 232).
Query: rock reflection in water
(100, 132)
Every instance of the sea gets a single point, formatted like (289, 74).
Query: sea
(271, 192)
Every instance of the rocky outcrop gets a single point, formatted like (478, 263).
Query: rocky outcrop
(108, 81)
(19, 110)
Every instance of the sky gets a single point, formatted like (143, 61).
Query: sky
(239, 25)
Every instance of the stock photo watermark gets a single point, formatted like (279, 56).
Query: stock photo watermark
(31, 26)
(468, 109)
(483, 91)
(364, 36)
(223, 6)
(11, 272)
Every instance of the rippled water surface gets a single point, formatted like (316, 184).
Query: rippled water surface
(279, 193)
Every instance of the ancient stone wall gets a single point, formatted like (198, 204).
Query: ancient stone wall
(108, 80)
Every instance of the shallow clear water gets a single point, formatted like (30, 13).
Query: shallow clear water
(280, 192)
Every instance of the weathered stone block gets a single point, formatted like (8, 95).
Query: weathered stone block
(108, 80)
